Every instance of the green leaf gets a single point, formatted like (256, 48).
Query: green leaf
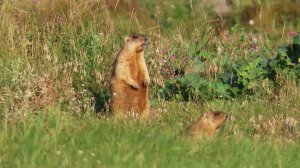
(296, 39)
(282, 51)
(205, 54)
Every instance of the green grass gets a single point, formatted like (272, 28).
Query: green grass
(58, 139)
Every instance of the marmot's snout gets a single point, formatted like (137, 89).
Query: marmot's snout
(145, 41)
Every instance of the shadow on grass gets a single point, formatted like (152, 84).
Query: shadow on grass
(102, 99)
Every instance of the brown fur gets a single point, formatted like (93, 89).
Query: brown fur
(207, 125)
(130, 79)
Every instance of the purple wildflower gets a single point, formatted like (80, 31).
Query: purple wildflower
(253, 46)
(289, 126)
(173, 56)
(250, 36)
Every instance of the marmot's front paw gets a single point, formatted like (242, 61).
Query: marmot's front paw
(146, 82)
(135, 85)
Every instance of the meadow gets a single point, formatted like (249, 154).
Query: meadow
(56, 58)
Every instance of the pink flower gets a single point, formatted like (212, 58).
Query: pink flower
(292, 33)
(250, 36)
(253, 46)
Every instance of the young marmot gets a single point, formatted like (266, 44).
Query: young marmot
(130, 79)
(207, 125)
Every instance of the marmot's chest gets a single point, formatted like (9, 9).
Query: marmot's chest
(136, 71)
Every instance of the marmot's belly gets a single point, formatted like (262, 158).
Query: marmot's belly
(129, 98)
(135, 98)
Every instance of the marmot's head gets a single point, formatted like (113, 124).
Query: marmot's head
(136, 42)
(214, 119)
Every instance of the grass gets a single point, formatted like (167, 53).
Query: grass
(58, 139)
(256, 135)
(56, 62)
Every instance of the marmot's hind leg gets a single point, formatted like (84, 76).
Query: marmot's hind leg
(117, 105)
(144, 108)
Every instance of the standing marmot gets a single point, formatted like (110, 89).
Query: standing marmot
(207, 125)
(130, 79)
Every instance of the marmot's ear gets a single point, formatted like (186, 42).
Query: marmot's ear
(206, 115)
(126, 39)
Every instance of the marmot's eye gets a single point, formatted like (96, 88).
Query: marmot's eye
(216, 114)
(135, 37)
